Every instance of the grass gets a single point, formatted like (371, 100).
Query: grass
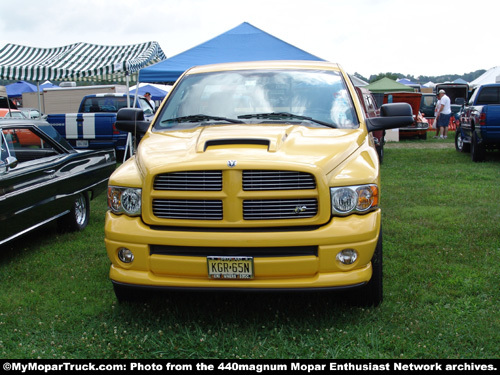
(441, 280)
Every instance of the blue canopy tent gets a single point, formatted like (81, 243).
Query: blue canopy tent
(156, 93)
(16, 89)
(242, 43)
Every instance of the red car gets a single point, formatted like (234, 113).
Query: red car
(420, 124)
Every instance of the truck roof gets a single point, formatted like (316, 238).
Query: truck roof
(279, 64)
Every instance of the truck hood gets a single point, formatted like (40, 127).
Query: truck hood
(250, 146)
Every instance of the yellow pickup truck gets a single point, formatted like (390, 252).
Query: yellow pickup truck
(254, 175)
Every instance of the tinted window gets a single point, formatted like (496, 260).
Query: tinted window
(489, 95)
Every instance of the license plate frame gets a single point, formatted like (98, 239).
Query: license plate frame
(230, 268)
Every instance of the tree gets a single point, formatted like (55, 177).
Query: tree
(393, 76)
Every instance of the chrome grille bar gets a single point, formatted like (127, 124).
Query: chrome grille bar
(277, 180)
(189, 181)
(187, 209)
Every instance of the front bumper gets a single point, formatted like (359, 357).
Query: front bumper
(287, 271)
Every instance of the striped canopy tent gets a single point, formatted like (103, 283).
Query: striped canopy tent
(77, 62)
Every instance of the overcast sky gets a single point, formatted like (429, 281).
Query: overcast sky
(425, 37)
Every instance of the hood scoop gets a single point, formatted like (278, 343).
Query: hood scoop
(228, 142)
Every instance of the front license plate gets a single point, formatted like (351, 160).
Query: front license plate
(230, 267)
(82, 143)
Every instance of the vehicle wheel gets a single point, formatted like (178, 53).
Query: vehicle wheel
(423, 136)
(460, 146)
(125, 293)
(380, 152)
(477, 151)
(78, 218)
(371, 294)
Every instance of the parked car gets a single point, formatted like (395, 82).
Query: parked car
(252, 176)
(32, 113)
(12, 113)
(479, 127)
(5, 102)
(42, 178)
(420, 123)
(428, 105)
(371, 109)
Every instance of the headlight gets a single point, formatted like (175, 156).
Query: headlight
(350, 199)
(124, 200)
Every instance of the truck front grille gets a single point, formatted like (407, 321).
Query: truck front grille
(244, 195)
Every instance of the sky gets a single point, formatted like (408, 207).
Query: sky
(425, 37)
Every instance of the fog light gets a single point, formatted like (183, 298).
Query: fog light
(125, 255)
(347, 256)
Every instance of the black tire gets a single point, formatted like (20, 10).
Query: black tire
(371, 294)
(380, 152)
(125, 293)
(78, 217)
(477, 151)
(460, 145)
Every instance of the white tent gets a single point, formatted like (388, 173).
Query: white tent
(490, 76)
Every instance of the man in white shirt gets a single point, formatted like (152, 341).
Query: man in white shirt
(443, 114)
(151, 102)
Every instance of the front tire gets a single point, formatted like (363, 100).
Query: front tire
(460, 146)
(380, 153)
(78, 217)
(371, 294)
(477, 151)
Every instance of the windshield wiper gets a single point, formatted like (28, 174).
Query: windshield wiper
(284, 115)
(201, 117)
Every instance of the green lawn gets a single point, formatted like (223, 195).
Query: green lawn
(441, 215)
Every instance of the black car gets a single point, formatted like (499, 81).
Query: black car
(42, 178)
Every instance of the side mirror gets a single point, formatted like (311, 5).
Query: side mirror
(393, 115)
(9, 163)
(132, 120)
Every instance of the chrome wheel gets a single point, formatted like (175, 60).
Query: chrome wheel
(80, 210)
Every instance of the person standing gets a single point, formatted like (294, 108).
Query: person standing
(443, 114)
(151, 101)
(438, 104)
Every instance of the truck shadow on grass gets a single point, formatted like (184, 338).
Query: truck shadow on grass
(186, 305)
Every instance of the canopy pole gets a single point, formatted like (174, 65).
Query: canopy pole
(127, 80)
(39, 98)
(128, 145)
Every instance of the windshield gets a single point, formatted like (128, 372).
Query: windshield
(14, 114)
(312, 98)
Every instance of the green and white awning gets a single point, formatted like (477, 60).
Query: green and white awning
(76, 62)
